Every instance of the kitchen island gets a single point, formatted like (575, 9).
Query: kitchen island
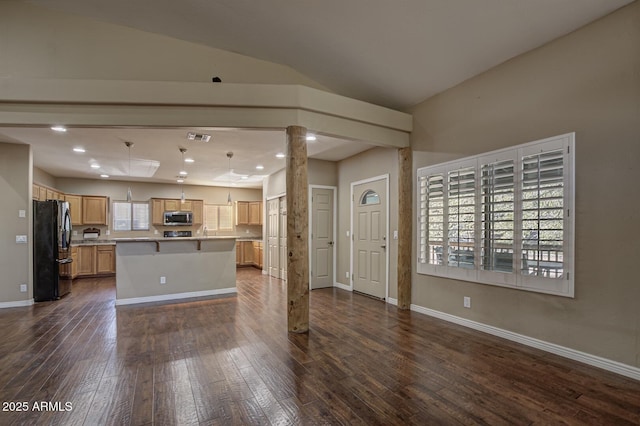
(157, 269)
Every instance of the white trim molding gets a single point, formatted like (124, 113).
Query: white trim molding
(176, 296)
(16, 304)
(392, 301)
(343, 286)
(593, 360)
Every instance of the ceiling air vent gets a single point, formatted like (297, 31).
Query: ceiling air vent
(198, 137)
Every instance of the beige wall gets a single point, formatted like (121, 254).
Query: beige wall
(48, 44)
(587, 82)
(142, 191)
(319, 172)
(15, 193)
(371, 163)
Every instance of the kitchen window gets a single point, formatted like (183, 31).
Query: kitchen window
(218, 217)
(130, 216)
(504, 217)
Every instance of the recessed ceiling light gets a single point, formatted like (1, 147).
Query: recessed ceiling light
(183, 173)
(244, 177)
(311, 138)
(95, 166)
(78, 149)
(280, 155)
(259, 167)
(104, 176)
(58, 128)
(179, 180)
(189, 160)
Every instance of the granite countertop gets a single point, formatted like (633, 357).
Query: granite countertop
(92, 242)
(162, 239)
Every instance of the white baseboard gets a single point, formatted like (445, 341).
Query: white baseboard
(342, 286)
(16, 304)
(593, 360)
(176, 296)
(392, 301)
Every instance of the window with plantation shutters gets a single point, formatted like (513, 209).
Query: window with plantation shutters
(130, 216)
(501, 218)
(218, 217)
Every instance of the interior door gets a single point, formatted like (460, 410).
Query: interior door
(321, 238)
(273, 250)
(370, 239)
(283, 238)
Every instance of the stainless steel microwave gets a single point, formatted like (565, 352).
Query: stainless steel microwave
(178, 218)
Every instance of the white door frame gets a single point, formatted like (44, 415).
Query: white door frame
(335, 217)
(384, 177)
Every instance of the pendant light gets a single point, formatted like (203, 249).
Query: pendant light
(183, 175)
(229, 156)
(129, 145)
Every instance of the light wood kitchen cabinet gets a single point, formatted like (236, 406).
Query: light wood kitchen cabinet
(35, 192)
(244, 253)
(94, 210)
(105, 259)
(86, 260)
(197, 207)
(177, 205)
(157, 211)
(257, 254)
(74, 264)
(75, 208)
(249, 213)
(95, 260)
(242, 213)
(255, 213)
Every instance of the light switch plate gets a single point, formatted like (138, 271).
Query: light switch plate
(395, 234)
(22, 213)
(23, 288)
(21, 239)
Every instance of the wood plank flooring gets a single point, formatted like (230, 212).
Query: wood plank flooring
(230, 360)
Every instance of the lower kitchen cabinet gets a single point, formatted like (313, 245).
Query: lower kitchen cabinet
(96, 260)
(249, 253)
(105, 260)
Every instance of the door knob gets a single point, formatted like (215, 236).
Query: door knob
(384, 246)
(330, 243)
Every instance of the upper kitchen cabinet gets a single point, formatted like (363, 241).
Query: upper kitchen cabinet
(75, 208)
(255, 213)
(178, 205)
(249, 213)
(197, 207)
(157, 211)
(94, 210)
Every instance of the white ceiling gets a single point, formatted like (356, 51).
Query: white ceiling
(391, 53)
(156, 156)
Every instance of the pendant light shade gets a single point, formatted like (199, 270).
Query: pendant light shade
(129, 145)
(229, 201)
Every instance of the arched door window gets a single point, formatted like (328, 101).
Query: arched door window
(369, 197)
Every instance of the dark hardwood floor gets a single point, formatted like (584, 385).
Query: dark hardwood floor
(230, 361)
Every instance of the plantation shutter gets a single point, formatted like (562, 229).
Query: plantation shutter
(211, 217)
(461, 204)
(435, 218)
(543, 214)
(498, 210)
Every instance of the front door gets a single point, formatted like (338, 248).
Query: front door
(321, 238)
(370, 239)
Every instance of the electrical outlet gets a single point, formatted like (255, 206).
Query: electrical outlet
(22, 213)
(23, 288)
(75, 233)
(395, 234)
(346, 275)
(163, 280)
(155, 232)
(466, 302)
(22, 239)
(348, 234)
(108, 232)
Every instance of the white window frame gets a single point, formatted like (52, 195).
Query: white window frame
(132, 210)
(563, 286)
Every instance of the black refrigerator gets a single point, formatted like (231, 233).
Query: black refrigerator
(51, 249)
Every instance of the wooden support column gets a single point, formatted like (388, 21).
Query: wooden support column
(297, 231)
(405, 222)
